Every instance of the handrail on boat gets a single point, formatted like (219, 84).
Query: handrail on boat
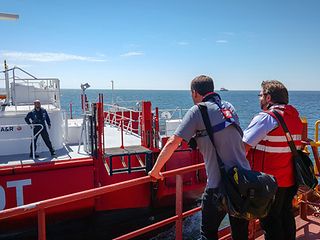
(120, 117)
(123, 122)
(114, 106)
(316, 132)
(45, 89)
(41, 206)
(172, 112)
(33, 136)
(12, 69)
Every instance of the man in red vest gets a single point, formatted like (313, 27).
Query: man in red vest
(268, 151)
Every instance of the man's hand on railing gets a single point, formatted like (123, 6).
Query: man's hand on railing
(155, 175)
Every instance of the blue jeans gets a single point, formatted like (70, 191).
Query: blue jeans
(213, 212)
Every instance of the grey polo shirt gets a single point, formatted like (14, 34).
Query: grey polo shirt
(228, 141)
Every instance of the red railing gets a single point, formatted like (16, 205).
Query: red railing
(41, 206)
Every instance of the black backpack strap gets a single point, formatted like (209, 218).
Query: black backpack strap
(232, 193)
(280, 120)
(205, 117)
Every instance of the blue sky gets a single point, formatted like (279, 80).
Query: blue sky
(164, 44)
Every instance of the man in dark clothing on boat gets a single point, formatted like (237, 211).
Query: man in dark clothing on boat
(268, 151)
(39, 116)
(228, 143)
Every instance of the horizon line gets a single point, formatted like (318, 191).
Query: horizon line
(134, 89)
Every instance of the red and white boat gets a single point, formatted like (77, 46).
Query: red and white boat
(108, 145)
(98, 183)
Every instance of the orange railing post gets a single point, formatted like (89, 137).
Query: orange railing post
(179, 205)
(156, 129)
(41, 224)
(303, 207)
(146, 125)
(122, 125)
(315, 153)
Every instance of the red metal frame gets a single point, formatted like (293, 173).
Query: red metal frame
(146, 126)
(42, 206)
(100, 127)
(179, 200)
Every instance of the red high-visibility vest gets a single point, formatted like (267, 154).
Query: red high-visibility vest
(273, 155)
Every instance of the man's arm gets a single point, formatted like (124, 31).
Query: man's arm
(47, 118)
(165, 154)
(258, 129)
(247, 147)
(27, 118)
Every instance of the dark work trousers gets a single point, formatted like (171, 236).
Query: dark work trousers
(280, 223)
(45, 136)
(213, 212)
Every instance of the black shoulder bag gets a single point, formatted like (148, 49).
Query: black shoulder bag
(250, 194)
(304, 170)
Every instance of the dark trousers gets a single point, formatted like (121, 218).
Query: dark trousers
(280, 223)
(213, 212)
(45, 136)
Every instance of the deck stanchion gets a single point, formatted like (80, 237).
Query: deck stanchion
(33, 137)
(157, 129)
(146, 125)
(100, 129)
(32, 142)
(315, 153)
(70, 110)
(179, 204)
(41, 224)
(122, 146)
(316, 131)
(304, 207)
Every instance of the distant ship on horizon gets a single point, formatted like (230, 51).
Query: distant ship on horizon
(223, 89)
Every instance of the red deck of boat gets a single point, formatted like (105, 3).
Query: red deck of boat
(309, 229)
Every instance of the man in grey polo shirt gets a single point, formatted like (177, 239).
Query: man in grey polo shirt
(229, 145)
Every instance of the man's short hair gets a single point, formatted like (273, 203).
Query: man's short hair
(277, 91)
(202, 84)
(36, 101)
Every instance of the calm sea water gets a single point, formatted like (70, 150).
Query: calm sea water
(245, 102)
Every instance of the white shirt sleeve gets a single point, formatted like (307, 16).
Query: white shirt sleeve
(258, 128)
